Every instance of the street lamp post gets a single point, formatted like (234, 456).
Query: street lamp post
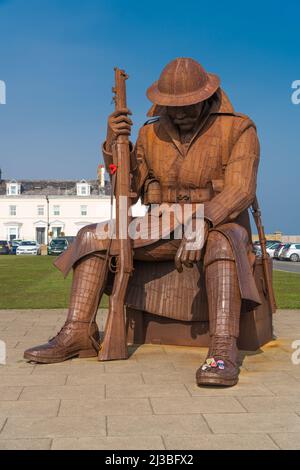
(48, 223)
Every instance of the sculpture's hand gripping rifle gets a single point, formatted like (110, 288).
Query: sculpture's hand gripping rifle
(114, 345)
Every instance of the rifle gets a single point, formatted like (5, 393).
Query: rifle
(114, 345)
(265, 258)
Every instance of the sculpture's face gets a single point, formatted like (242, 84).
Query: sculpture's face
(185, 117)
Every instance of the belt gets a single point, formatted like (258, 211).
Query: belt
(186, 195)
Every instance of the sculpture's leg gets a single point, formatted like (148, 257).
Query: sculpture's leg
(74, 339)
(224, 305)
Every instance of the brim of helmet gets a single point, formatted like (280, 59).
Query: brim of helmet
(165, 99)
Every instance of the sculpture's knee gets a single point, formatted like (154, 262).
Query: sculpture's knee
(85, 234)
(217, 248)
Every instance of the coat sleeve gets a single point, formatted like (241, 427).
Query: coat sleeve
(139, 164)
(240, 176)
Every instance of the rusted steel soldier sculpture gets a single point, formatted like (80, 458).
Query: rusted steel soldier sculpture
(198, 150)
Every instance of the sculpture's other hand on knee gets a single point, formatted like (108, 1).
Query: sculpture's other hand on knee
(189, 251)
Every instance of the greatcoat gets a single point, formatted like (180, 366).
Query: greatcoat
(217, 168)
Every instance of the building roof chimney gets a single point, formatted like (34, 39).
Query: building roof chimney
(101, 176)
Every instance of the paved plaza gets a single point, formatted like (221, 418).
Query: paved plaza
(149, 401)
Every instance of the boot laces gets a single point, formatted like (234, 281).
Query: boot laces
(68, 322)
(60, 331)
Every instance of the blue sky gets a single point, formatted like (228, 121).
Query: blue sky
(57, 59)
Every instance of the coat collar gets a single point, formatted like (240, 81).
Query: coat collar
(220, 103)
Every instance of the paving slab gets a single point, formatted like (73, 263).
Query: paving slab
(52, 392)
(287, 440)
(25, 444)
(184, 376)
(94, 378)
(69, 369)
(109, 443)
(132, 365)
(253, 422)
(193, 405)
(146, 390)
(10, 393)
(221, 441)
(272, 404)
(105, 407)
(22, 409)
(53, 427)
(28, 380)
(157, 425)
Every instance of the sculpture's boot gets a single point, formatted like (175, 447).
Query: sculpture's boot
(224, 305)
(79, 336)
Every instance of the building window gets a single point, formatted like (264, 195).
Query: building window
(41, 210)
(83, 188)
(12, 210)
(13, 188)
(83, 210)
(56, 210)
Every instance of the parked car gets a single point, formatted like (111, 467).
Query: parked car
(271, 249)
(291, 252)
(28, 247)
(278, 251)
(58, 245)
(4, 247)
(269, 243)
(14, 246)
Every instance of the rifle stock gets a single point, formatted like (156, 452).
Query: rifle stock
(114, 345)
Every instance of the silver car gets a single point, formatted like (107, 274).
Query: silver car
(291, 252)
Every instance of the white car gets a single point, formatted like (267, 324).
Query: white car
(291, 252)
(272, 248)
(28, 248)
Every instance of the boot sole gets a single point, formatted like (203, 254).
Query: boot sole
(85, 353)
(217, 382)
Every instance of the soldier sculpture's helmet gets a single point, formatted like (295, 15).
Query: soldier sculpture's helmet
(183, 82)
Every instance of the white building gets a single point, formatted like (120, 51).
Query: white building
(28, 209)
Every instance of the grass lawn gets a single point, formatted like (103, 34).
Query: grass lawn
(33, 282)
(287, 289)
